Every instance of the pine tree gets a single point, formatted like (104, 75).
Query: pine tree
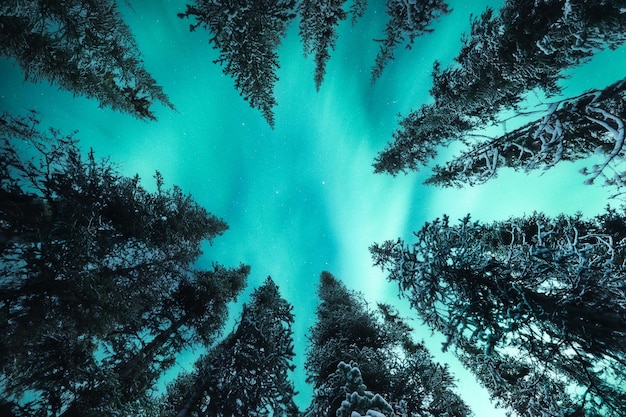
(570, 129)
(246, 374)
(407, 19)
(193, 313)
(379, 345)
(528, 45)
(247, 33)
(534, 306)
(98, 289)
(83, 47)
(318, 29)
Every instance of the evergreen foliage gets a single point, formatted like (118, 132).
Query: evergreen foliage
(83, 47)
(98, 292)
(246, 374)
(358, 400)
(407, 19)
(389, 362)
(570, 129)
(247, 34)
(534, 306)
(528, 45)
(318, 29)
(99, 295)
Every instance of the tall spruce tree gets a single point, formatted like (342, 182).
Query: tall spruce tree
(193, 313)
(83, 47)
(534, 306)
(379, 345)
(98, 289)
(527, 45)
(246, 374)
(247, 33)
(407, 20)
(319, 20)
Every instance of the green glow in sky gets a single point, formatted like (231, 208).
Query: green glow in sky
(302, 198)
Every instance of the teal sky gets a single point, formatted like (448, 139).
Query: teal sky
(303, 198)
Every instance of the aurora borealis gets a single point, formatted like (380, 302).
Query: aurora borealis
(302, 198)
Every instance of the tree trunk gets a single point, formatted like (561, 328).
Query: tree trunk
(134, 366)
(194, 398)
(131, 369)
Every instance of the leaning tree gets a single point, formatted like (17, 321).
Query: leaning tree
(83, 47)
(247, 35)
(590, 125)
(527, 46)
(534, 306)
(98, 290)
(407, 21)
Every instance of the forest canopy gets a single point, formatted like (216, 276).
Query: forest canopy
(534, 306)
(104, 286)
(526, 46)
(99, 292)
(83, 47)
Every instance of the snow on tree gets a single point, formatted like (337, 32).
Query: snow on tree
(98, 291)
(527, 46)
(246, 374)
(570, 129)
(408, 19)
(83, 47)
(358, 400)
(534, 306)
(318, 29)
(390, 363)
(247, 33)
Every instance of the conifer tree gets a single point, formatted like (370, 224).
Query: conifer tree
(83, 47)
(193, 313)
(247, 34)
(570, 129)
(379, 345)
(528, 45)
(246, 374)
(534, 306)
(98, 290)
(318, 29)
(407, 19)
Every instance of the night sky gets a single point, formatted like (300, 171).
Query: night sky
(303, 198)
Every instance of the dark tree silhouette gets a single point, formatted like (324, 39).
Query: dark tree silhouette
(357, 10)
(571, 129)
(98, 289)
(83, 47)
(318, 29)
(390, 363)
(526, 46)
(246, 374)
(407, 20)
(247, 33)
(534, 306)
(194, 313)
